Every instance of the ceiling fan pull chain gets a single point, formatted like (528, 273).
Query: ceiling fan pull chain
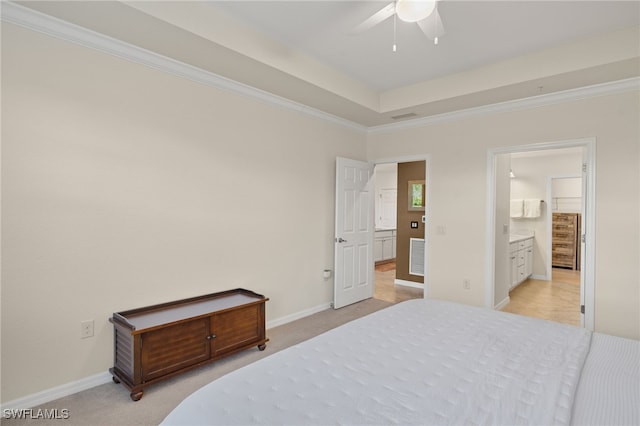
(435, 16)
(394, 27)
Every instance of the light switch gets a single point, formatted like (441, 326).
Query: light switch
(414, 224)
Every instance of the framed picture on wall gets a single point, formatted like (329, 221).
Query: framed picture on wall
(416, 195)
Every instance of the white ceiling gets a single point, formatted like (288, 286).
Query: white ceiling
(493, 51)
(477, 33)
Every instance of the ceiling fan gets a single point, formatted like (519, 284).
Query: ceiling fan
(423, 12)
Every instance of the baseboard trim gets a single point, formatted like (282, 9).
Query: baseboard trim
(504, 302)
(297, 315)
(540, 277)
(408, 283)
(57, 392)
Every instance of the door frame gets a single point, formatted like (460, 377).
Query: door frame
(588, 216)
(427, 161)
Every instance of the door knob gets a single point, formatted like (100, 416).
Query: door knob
(340, 240)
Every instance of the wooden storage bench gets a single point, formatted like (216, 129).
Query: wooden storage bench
(157, 342)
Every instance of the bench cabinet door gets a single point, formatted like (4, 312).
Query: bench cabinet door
(238, 328)
(171, 348)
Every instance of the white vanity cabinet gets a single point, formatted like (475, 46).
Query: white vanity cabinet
(521, 258)
(384, 245)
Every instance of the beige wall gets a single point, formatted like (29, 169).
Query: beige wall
(123, 186)
(457, 181)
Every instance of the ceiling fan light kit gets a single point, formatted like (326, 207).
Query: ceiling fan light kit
(421, 12)
(414, 10)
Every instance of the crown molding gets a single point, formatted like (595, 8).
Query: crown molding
(54, 27)
(580, 93)
(58, 28)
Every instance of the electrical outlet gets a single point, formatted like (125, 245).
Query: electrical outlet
(86, 329)
(466, 284)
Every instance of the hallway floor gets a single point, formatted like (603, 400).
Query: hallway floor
(556, 300)
(386, 290)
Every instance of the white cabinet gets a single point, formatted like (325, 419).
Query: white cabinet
(386, 208)
(385, 245)
(528, 258)
(521, 260)
(394, 245)
(513, 254)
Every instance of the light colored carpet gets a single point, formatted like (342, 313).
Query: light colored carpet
(109, 404)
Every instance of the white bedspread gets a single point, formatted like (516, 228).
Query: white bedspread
(609, 389)
(417, 362)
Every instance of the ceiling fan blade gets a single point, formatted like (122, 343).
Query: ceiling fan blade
(432, 26)
(376, 18)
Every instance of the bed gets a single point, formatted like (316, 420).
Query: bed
(428, 362)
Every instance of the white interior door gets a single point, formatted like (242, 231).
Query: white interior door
(353, 278)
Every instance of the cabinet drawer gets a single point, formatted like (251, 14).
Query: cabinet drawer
(171, 348)
(563, 259)
(521, 273)
(513, 248)
(564, 218)
(559, 248)
(563, 225)
(384, 234)
(564, 235)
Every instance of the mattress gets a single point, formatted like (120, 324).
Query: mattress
(424, 362)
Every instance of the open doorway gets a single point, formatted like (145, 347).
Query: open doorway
(385, 240)
(526, 275)
(394, 281)
(544, 245)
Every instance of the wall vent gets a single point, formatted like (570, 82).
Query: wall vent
(407, 115)
(416, 256)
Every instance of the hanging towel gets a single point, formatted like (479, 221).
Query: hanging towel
(517, 208)
(532, 208)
